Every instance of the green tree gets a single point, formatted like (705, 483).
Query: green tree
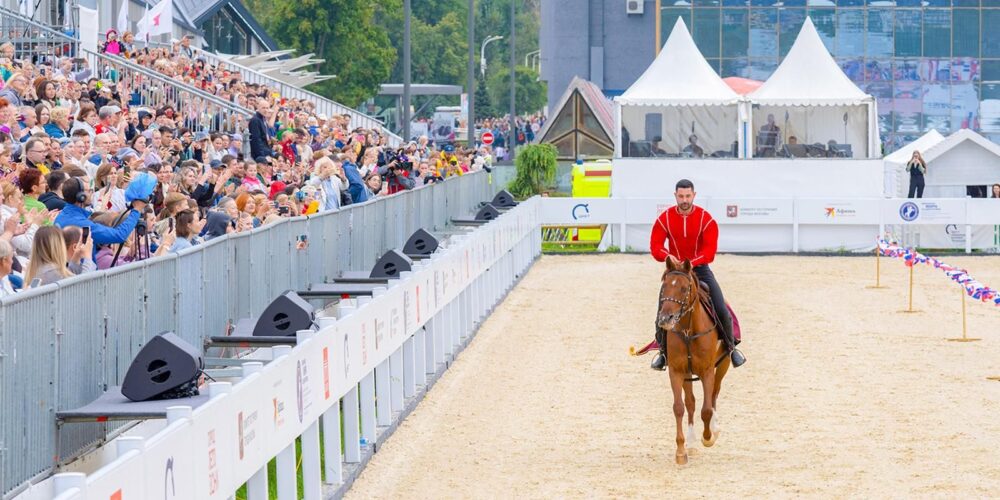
(343, 32)
(530, 93)
(536, 170)
(484, 106)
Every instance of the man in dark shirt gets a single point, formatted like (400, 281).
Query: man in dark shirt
(52, 197)
(259, 126)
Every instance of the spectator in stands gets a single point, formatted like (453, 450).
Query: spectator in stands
(355, 183)
(185, 48)
(87, 120)
(111, 44)
(15, 88)
(6, 267)
(79, 253)
(259, 126)
(48, 257)
(36, 154)
(58, 125)
(218, 223)
(77, 197)
(52, 197)
(189, 225)
(330, 182)
(110, 119)
(995, 191)
(108, 195)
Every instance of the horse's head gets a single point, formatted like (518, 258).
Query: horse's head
(677, 294)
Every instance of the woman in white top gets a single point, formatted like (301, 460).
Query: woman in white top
(109, 196)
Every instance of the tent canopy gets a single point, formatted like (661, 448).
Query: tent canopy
(680, 76)
(582, 124)
(742, 86)
(923, 143)
(809, 76)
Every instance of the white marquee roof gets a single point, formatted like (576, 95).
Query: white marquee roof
(922, 144)
(957, 138)
(809, 76)
(679, 76)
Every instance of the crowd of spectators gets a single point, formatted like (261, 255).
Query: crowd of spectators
(76, 141)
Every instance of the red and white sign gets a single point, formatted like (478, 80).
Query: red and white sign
(487, 138)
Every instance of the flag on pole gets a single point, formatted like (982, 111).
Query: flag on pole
(122, 23)
(157, 21)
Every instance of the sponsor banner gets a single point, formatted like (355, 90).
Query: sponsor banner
(583, 210)
(924, 211)
(834, 211)
(750, 211)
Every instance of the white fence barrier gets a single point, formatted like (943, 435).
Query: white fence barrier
(354, 373)
(798, 224)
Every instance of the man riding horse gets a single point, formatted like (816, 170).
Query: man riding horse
(693, 235)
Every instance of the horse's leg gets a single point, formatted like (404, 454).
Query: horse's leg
(689, 405)
(720, 373)
(676, 384)
(707, 407)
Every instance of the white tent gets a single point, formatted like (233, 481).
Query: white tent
(678, 107)
(809, 97)
(896, 178)
(962, 159)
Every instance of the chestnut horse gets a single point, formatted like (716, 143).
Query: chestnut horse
(694, 351)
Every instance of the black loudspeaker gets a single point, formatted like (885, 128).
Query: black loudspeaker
(504, 199)
(391, 264)
(285, 315)
(167, 367)
(487, 213)
(420, 243)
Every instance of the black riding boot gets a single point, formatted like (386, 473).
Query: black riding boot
(722, 313)
(660, 360)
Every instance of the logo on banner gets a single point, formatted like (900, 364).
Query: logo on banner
(326, 373)
(394, 322)
(833, 212)
(909, 211)
(302, 394)
(364, 341)
(246, 430)
(169, 487)
(213, 466)
(580, 211)
(379, 334)
(732, 211)
(279, 408)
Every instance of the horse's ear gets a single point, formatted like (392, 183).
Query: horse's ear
(670, 264)
(687, 266)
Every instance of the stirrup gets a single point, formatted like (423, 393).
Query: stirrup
(659, 362)
(737, 358)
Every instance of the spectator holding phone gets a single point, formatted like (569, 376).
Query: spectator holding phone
(79, 250)
(78, 197)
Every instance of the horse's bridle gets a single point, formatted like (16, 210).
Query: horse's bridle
(688, 304)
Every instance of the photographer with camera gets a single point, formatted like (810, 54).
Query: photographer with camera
(78, 197)
(396, 173)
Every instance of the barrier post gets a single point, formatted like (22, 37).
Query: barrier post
(965, 337)
(910, 308)
(878, 269)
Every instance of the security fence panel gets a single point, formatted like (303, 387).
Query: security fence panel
(301, 262)
(81, 355)
(29, 357)
(358, 243)
(218, 283)
(316, 250)
(125, 293)
(161, 295)
(242, 278)
(191, 297)
(279, 256)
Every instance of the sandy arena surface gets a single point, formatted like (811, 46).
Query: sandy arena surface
(842, 396)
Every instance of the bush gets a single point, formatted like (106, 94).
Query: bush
(536, 170)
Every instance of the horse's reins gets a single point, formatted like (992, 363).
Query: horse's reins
(688, 305)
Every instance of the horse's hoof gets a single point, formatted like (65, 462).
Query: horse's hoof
(711, 441)
(682, 459)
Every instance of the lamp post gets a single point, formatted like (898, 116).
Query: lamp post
(406, 70)
(482, 53)
(513, 79)
(470, 86)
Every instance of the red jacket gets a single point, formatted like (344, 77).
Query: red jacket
(694, 236)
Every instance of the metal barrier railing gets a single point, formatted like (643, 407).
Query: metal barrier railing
(33, 40)
(63, 344)
(146, 87)
(323, 105)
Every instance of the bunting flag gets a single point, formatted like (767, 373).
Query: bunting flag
(973, 287)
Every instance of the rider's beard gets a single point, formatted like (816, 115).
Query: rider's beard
(684, 206)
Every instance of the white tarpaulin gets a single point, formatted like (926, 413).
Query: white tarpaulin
(677, 90)
(809, 78)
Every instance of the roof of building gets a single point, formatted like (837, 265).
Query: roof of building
(582, 123)
(192, 13)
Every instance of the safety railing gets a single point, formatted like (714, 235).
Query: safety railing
(63, 344)
(324, 105)
(146, 87)
(33, 40)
